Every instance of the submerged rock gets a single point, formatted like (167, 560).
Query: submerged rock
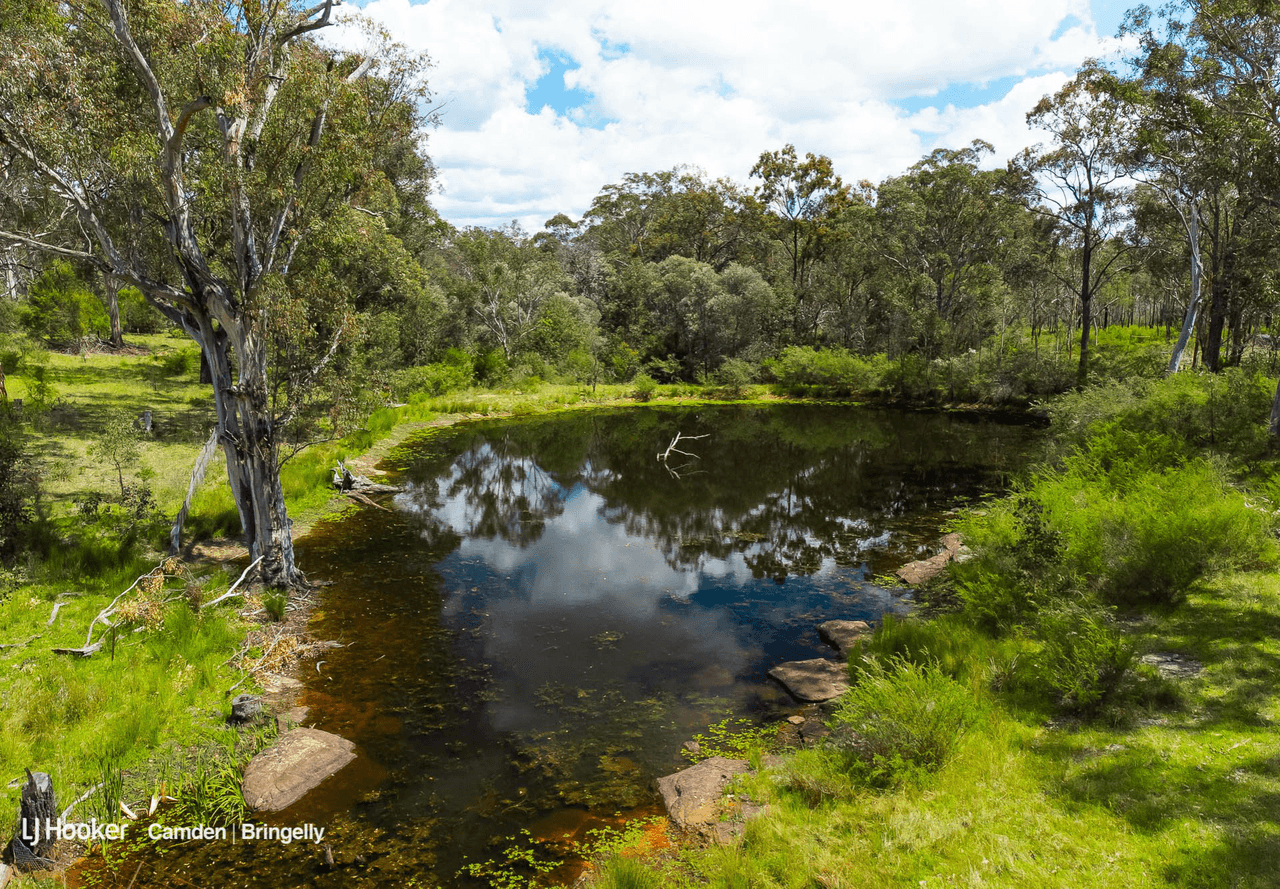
(279, 776)
(814, 680)
(953, 550)
(844, 634)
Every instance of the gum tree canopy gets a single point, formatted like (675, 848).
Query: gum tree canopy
(206, 152)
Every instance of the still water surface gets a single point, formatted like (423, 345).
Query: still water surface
(549, 611)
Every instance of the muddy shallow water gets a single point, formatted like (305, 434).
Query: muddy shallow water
(549, 611)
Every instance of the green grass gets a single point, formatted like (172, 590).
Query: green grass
(1184, 795)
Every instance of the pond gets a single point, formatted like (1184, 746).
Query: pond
(549, 611)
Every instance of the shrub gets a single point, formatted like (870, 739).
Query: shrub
(61, 309)
(802, 370)
(734, 376)
(432, 379)
(490, 368)
(17, 490)
(1017, 565)
(1082, 660)
(946, 643)
(643, 387)
(901, 719)
(136, 314)
(1146, 536)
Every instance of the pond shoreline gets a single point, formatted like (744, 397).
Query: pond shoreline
(372, 462)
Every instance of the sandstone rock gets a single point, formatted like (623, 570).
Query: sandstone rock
(953, 550)
(692, 796)
(815, 680)
(796, 720)
(844, 634)
(813, 731)
(293, 718)
(274, 682)
(279, 776)
(923, 570)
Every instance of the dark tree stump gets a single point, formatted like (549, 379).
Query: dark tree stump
(39, 807)
(245, 708)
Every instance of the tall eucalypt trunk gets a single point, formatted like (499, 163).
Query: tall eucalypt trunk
(226, 303)
(248, 438)
(1192, 222)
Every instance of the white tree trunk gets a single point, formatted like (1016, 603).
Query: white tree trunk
(1193, 307)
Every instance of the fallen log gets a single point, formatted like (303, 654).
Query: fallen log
(346, 481)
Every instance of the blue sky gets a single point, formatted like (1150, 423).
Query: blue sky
(548, 103)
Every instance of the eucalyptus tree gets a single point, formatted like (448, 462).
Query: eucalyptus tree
(1083, 184)
(506, 279)
(246, 138)
(1232, 46)
(804, 199)
(945, 220)
(676, 212)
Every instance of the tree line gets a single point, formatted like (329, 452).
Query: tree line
(268, 194)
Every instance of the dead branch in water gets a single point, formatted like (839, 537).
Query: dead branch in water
(671, 448)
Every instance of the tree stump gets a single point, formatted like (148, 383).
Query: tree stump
(245, 708)
(39, 806)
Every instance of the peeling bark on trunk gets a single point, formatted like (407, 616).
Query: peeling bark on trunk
(245, 429)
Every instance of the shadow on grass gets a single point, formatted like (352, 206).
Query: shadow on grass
(1209, 780)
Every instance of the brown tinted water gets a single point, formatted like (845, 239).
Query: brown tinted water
(549, 611)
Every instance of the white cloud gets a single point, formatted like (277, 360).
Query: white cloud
(716, 83)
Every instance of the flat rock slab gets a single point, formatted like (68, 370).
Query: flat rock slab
(923, 570)
(692, 796)
(1172, 665)
(844, 634)
(953, 550)
(279, 776)
(815, 681)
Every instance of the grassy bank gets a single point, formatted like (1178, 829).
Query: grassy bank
(1093, 699)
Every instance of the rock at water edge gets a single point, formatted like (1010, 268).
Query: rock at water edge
(844, 634)
(813, 681)
(692, 796)
(279, 776)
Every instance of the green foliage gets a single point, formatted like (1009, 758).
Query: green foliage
(431, 379)
(734, 376)
(136, 314)
(520, 865)
(948, 643)
(17, 488)
(1017, 564)
(274, 602)
(643, 386)
(1192, 412)
(627, 873)
(211, 795)
(1082, 660)
(801, 370)
(902, 719)
(1140, 535)
(61, 309)
(117, 445)
(734, 738)
(490, 368)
